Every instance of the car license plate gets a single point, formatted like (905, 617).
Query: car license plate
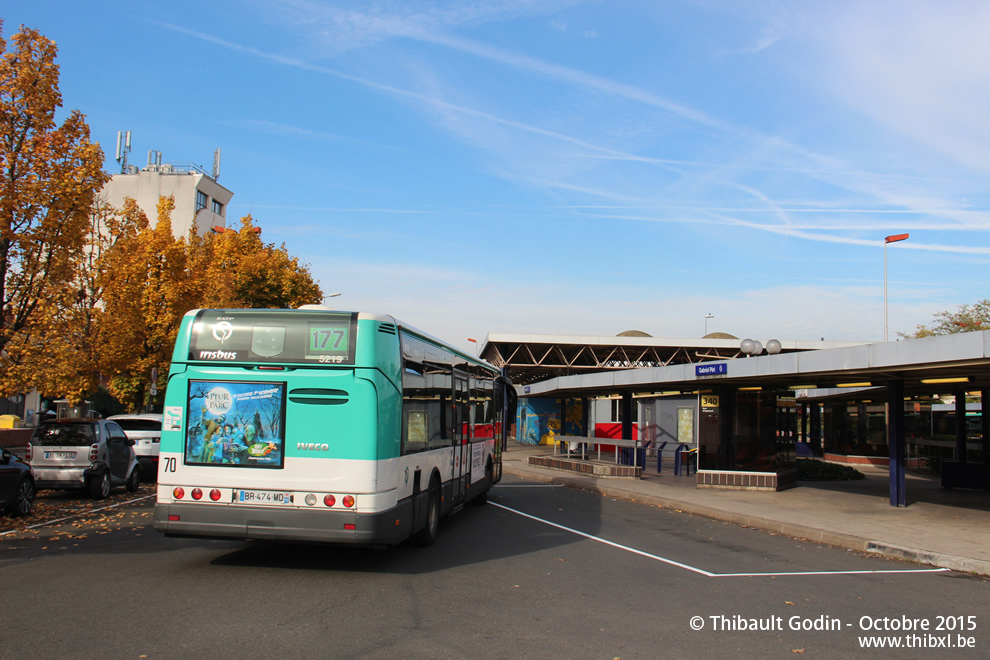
(60, 454)
(262, 497)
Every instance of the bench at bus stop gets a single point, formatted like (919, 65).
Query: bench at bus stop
(629, 452)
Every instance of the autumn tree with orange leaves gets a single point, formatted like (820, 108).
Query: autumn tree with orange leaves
(90, 292)
(236, 269)
(70, 363)
(146, 287)
(49, 175)
(150, 279)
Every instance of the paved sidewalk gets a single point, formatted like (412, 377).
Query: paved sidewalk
(948, 529)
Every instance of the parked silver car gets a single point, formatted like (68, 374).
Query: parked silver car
(146, 431)
(82, 453)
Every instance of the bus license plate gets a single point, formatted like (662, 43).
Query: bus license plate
(60, 454)
(262, 497)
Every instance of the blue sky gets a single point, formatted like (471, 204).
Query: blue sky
(573, 167)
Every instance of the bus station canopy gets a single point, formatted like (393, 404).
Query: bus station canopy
(533, 358)
(932, 364)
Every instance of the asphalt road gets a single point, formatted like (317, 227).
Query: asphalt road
(540, 572)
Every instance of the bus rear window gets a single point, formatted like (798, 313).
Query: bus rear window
(285, 336)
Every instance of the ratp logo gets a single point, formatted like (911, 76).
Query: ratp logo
(222, 331)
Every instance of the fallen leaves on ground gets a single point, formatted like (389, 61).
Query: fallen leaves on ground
(54, 505)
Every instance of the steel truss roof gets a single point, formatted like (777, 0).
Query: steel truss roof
(534, 358)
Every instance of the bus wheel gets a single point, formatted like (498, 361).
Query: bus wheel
(426, 536)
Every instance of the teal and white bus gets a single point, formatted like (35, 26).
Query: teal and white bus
(322, 425)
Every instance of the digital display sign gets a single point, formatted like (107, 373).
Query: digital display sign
(286, 336)
(328, 339)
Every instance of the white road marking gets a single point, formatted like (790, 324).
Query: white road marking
(528, 486)
(77, 515)
(702, 571)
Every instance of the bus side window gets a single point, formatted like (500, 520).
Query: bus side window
(424, 397)
(438, 382)
(417, 431)
(483, 420)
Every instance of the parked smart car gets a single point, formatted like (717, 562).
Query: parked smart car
(16, 485)
(146, 432)
(82, 453)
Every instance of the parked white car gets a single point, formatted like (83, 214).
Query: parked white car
(146, 432)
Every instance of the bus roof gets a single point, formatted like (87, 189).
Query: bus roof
(371, 316)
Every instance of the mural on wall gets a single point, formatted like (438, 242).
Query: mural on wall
(574, 417)
(537, 418)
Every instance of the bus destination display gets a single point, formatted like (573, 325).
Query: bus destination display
(328, 343)
(273, 336)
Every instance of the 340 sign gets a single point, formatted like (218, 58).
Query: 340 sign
(709, 401)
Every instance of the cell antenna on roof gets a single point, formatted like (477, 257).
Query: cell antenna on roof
(216, 165)
(123, 148)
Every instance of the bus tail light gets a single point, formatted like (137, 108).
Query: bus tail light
(348, 501)
(350, 527)
(178, 493)
(329, 500)
(215, 494)
(197, 493)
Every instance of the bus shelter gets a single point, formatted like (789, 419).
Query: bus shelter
(742, 422)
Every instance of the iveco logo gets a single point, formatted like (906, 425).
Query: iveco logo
(313, 446)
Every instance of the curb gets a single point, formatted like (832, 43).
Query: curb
(837, 539)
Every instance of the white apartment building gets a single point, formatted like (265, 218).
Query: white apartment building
(197, 194)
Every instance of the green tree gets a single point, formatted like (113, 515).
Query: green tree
(49, 176)
(966, 318)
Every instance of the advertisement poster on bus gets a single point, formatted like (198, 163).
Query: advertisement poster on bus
(236, 424)
(477, 461)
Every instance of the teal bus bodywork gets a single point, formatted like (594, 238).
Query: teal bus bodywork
(320, 425)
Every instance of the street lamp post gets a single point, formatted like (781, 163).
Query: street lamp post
(332, 295)
(890, 239)
(707, 316)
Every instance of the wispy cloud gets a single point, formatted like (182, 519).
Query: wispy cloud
(827, 169)
(803, 232)
(478, 304)
(276, 128)
(917, 68)
(360, 25)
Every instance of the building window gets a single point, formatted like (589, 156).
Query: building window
(201, 200)
(217, 207)
(617, 411)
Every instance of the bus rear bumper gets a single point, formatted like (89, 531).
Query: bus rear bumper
(277, 524)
